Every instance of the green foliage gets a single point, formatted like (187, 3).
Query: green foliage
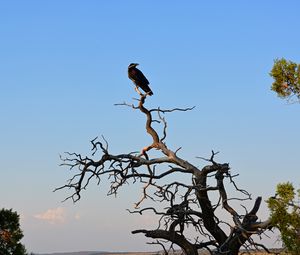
(10, 233)
(285, 215)
(286, 76)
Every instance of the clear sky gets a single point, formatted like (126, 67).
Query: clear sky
(63, 64)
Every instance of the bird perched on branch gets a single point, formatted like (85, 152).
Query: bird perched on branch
(139, 79)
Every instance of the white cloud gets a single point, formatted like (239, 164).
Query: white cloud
(77, 216)
(56, 215)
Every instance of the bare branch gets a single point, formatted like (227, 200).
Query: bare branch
(172, 110)
(186, 201)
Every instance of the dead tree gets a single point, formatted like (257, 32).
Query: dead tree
(188, 204)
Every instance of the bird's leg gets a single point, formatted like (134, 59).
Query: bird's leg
(138, 91)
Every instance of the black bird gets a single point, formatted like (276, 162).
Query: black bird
(139, 78)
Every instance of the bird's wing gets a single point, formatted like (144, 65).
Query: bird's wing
(140, 77)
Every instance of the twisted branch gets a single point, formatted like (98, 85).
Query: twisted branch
(188, 204)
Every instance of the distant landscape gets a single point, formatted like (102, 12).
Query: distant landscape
(99, 253)
(204, 252)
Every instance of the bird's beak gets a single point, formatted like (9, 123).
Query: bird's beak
(136, 64)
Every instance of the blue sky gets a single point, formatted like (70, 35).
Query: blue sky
(63, 64)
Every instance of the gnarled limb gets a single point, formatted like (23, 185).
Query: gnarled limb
(188, 203)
